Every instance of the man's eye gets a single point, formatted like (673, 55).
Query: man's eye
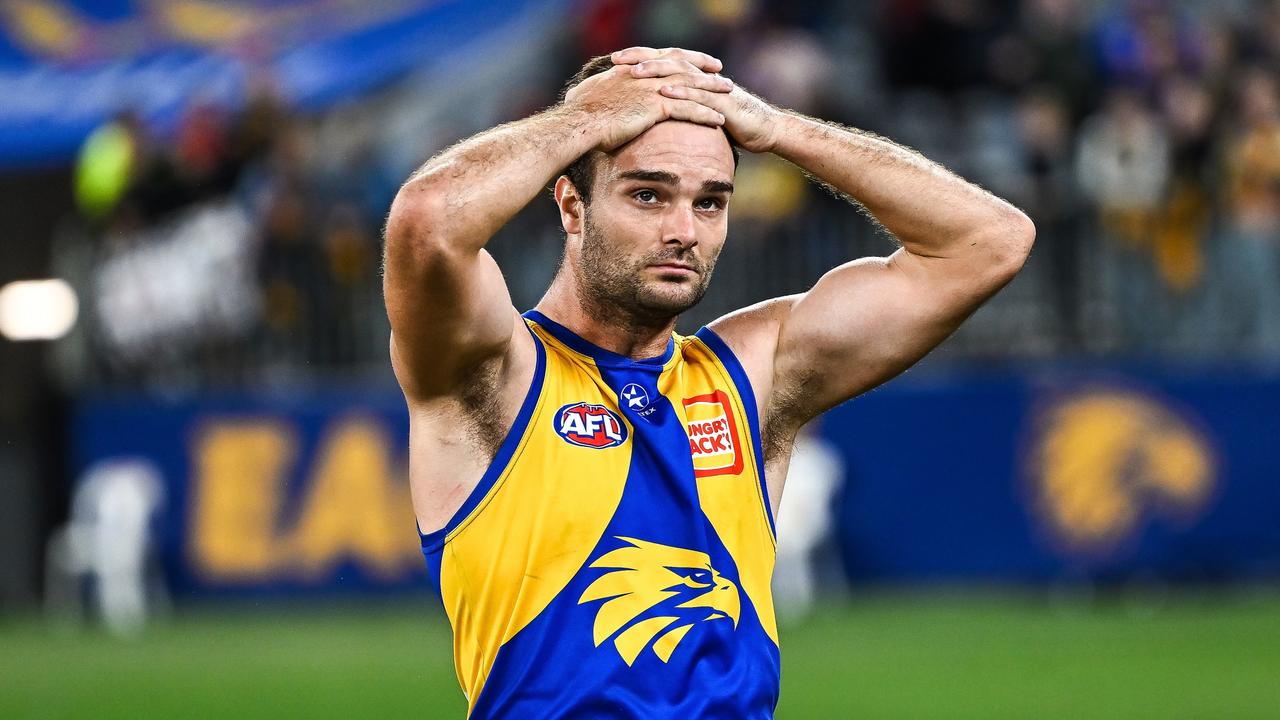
(709, 204)
(646, 196)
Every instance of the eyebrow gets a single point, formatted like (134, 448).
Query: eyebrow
(666, 178)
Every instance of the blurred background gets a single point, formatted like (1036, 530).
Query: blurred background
(1070, 509)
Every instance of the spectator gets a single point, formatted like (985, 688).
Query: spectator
(1252, 243)
(1122, 165)
(1050, 198)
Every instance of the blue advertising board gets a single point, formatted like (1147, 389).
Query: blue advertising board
(1055, 475)
(1029, 476)
(271, 494)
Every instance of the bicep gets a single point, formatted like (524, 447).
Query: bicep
(449, 307)
(865, 322)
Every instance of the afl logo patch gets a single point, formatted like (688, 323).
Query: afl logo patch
(588, 425)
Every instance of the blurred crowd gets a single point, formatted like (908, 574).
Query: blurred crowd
(232, 248)
(1142, 136)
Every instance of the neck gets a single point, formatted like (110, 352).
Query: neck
(615, 329)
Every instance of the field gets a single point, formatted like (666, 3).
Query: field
(883, 656)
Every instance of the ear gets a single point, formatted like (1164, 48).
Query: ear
(570, 204)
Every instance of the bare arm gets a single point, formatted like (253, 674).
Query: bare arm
(446, 298)
(867, 320)
(449, 306)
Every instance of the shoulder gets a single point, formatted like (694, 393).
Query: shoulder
(751, 334)
(484, 386)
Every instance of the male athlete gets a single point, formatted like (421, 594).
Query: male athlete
(596, 492)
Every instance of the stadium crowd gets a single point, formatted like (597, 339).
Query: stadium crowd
(1142, 136)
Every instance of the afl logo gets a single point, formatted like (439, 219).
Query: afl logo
(593, 426)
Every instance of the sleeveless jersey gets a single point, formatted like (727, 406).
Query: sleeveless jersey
(615, 559)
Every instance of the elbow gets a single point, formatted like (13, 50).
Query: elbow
(431, 217)
(418, 204)
(1010, 241)
(414, 222)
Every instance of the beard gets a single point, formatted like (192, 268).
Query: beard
(616, 288)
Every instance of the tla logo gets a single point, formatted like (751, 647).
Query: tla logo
(587, 425)
(635, 396)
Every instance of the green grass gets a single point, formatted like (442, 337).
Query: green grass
(895, 656)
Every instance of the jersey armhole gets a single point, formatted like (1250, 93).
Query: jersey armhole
(432, 542)
(742, 383)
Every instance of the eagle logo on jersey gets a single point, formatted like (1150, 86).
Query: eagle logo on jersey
(655, 595)
(588, 425)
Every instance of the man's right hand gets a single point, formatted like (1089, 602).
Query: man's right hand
(624, 106)
(448, 303)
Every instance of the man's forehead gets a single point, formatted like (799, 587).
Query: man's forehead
(692, 152)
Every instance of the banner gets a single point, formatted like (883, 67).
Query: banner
(1061, 475)
(1028, 477)
(67, 66)
(271, 494)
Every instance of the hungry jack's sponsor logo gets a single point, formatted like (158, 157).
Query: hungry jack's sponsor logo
(714, 440)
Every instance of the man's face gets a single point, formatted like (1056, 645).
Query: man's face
(656, 221)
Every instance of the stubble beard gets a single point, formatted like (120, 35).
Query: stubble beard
(614, 290)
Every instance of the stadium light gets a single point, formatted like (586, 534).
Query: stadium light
(37, 309)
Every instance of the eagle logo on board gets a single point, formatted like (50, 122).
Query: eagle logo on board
(589, 425)
(1105, 459)
(655, 595)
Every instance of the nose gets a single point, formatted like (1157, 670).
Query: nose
(679, 227)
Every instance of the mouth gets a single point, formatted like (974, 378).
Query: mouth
(674, 268)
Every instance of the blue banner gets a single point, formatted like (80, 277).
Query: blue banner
(1029, 477)
(270, 494)
(66, 66)
(1062, 475)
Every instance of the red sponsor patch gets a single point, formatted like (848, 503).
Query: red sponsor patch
(714, 441)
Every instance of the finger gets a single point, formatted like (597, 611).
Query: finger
(662, 67)
(701, 60)
(690, 111)
(717, 102)
(700, 80)
(633, 55)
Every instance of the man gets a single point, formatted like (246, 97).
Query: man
(596, 492)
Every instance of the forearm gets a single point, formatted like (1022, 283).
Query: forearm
(932, 212)
(469, 191)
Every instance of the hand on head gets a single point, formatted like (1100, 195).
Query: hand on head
(649, 85)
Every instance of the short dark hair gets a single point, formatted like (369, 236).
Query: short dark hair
(582, 172)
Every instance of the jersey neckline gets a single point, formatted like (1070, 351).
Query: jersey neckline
(595, 352)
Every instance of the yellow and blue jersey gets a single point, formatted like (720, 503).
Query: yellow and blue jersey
(615, 559)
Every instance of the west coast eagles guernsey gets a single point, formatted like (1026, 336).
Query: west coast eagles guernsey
(615, 559)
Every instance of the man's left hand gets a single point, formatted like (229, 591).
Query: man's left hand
(752, 122)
